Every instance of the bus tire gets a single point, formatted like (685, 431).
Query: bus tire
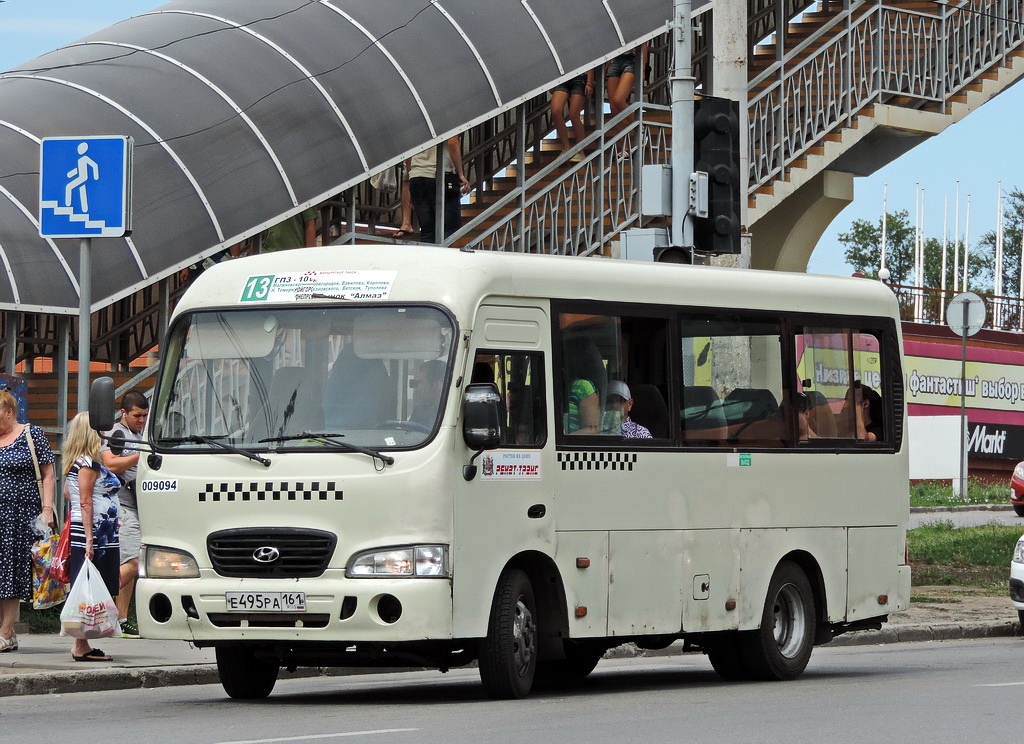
(243, 676)
(781, 647)
(726, 656)
(508, 655)
(580, 660)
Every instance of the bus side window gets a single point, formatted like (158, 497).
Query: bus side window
(732, 381)
(520, 380)
(841, 377)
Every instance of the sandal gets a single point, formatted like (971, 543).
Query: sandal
(402, 234)
(93, 655)
(8, 644)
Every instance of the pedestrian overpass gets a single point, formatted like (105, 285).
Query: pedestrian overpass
(245, 113)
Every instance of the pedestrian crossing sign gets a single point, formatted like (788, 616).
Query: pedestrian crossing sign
(85, 187)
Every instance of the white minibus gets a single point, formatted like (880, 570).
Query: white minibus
(420, 456)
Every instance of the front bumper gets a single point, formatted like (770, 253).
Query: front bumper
(338, 609)
(1017, 585)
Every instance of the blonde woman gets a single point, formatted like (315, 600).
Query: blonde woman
(20, 502)
(92, 494)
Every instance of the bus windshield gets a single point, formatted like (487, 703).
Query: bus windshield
(282, 379)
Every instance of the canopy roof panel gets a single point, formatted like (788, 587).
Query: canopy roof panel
(244, 113)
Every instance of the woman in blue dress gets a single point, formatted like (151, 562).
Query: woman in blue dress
(92, 493)
(20, 503)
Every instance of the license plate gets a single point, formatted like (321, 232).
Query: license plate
(265, 601)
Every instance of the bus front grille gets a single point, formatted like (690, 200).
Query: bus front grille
(270, 552)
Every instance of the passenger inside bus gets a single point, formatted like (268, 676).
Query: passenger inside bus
(801, 403)
(618, 404)
(862, 409)
(586, 375)
(426, 394)
(358, 394)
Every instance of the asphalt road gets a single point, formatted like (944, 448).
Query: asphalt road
(951, 691)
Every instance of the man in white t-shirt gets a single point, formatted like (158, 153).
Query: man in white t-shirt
(422, 170)
(123, 460)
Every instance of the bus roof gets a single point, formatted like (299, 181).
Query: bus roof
(461, 280)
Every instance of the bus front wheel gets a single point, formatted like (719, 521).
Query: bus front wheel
(243, 676)
(781, 647)
(508, 655)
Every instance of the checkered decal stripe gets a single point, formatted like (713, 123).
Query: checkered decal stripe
(597, 460)
(266, 491)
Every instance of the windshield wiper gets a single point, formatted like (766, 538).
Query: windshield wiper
(333, 440)
(200, 439)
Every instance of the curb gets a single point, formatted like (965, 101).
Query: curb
(42, 683)
(104, 680)
(954, 509)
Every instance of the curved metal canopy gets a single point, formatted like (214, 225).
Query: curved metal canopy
(245, 112)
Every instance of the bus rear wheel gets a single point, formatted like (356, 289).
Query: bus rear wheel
(781, 647)
(243, 676)
(508, 655)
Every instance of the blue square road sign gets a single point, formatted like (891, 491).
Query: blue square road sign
(85, 187)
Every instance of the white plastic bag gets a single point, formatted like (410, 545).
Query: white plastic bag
(89, 611)
(385, 181)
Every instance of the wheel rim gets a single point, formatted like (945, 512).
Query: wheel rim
(790, 621)
(523, 637)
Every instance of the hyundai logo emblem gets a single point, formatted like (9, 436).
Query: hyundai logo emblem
(266, 554)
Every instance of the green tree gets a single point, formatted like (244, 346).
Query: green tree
(1013, 223)
(863, 245)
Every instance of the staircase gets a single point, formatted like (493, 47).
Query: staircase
(852, 90)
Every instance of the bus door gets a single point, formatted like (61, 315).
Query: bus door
(507, 508)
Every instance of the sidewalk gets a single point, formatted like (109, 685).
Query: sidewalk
(44, 665)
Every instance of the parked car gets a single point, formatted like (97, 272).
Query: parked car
(1017, 489)
(1017, 579)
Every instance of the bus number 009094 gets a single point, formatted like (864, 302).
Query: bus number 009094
(158, 486)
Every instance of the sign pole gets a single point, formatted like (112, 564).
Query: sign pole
(84, 321)
(969, 320)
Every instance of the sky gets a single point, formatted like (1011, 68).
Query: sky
(979, 151)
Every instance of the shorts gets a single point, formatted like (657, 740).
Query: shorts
(128, 534)
(621, 65)
(576, 86)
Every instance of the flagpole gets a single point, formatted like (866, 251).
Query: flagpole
(967, 243)
(945, 236)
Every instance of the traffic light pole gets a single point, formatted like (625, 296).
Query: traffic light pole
(682, 125)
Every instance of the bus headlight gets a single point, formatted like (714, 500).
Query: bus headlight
(414, 561)
(167, 563)
(1018, 551)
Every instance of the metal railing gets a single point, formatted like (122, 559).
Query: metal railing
(927, 305)
(872, 52)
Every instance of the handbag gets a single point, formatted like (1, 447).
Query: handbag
(90, 611)
(47, 590)
(59, 568)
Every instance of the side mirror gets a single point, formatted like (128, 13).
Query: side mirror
(480, 416)
(481, 421)
(101, 404)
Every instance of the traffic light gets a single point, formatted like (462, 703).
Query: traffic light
(716, 151)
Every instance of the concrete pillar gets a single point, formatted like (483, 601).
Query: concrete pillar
(729, 80)
(785, 237)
